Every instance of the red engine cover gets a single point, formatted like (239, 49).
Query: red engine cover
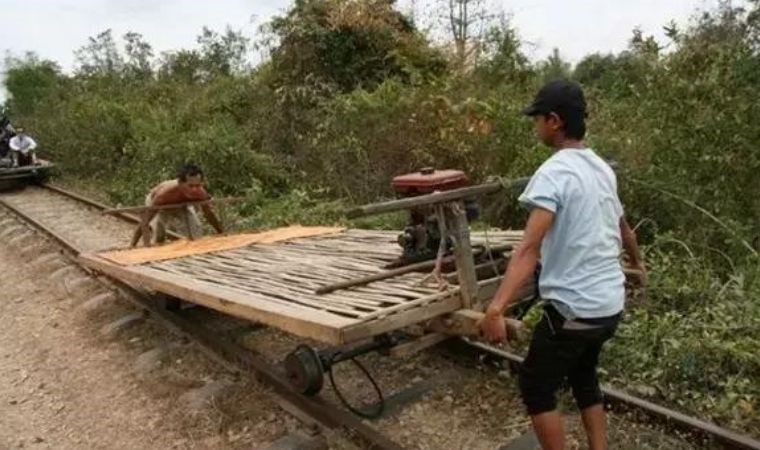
(428, 180)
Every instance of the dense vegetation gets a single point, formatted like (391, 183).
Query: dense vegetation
(353, 93)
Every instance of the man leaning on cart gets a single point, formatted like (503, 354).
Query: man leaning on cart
(187, 187)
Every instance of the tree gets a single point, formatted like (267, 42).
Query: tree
(467, 21)
(186, 65)
(219, 55)
(501, 57)
(348, 44)
(554, 67)
(605, 72)
(139, 56)
(223, 54)
(29, 81)
(99, 56)
(753, 24)
(645, 44)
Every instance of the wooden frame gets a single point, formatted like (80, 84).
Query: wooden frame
(313, 324)
(275, 284)
(30, 170)
(232, 303)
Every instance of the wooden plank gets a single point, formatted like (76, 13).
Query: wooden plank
(394, 290)
(260, 282)
(415, 267)
(459, 230)
(181, 248)
(303, 322)
(464, 322)
(396, 321)
(417, 301)
(266, 284)
(26, 170)
(273, 290)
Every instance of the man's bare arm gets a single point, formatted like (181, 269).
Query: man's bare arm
(631, 247)
(212, 218)
(522, 264)
(630, 244)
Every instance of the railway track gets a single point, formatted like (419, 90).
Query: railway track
(77, 224)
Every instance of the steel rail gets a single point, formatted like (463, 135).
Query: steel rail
(101, 206)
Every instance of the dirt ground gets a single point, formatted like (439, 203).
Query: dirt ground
(67, 383)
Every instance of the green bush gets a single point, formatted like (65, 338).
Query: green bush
(694, 342)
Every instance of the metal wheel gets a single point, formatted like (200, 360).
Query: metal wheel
(305, 370)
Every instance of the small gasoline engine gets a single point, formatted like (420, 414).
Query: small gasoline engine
(420, 240)
(421, 237)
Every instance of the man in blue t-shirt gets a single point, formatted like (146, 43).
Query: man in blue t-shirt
(577, 230)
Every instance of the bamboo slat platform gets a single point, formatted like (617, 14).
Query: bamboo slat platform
(274, 282)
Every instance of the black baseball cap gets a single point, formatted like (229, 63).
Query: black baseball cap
(559, 96)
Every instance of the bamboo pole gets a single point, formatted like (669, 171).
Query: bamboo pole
(436, 197)
(424, 265)
(141, 209)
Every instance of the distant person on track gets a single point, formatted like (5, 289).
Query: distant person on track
(22, 149)
(577, 230)
(6, 133)
(187, 187)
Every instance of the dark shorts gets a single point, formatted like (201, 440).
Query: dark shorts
(24, 159)
(558, 355)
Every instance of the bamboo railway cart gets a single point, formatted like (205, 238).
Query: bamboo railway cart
(13, 177)
(334, 285)
(273, 278)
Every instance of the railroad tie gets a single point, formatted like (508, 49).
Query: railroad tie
(113, 328)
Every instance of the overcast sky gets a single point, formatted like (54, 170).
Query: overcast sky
(55, 28)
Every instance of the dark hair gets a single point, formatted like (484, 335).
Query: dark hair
(564, 98)
(574, 121)
(188, 170)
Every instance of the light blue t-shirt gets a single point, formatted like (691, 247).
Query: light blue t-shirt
(581, 270)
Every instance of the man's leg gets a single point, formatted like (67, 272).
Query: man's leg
(24, 159)
(194, 226)
(549, 430)
(588, 395)
(595, 424)
(545, 368)
(160, 222)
